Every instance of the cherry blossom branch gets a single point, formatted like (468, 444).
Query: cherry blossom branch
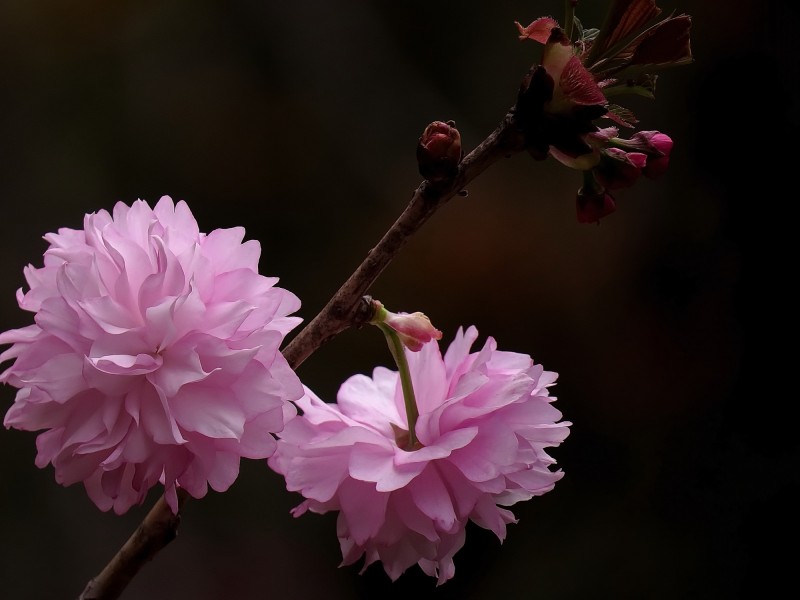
(157, 530)
(345, 309)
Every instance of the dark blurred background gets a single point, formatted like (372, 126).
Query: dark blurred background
(669, 322)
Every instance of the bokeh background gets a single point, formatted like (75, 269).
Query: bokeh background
(671, 323)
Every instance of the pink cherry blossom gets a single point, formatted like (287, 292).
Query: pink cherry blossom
(154, 356)
(485, 421)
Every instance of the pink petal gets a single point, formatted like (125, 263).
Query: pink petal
(208, 412)
(125, 364)
(429, 377)
(363, 508)
(493, 448)
(60, 377)
(376, 464)
(227, 252)
(318, 479)
(538, 31)
(168, 281)
(362, 400)
(180, 365)
(491, 517)
(256, 441)
(412, 517)
(224, 471)
(432, 498)
(158, 418)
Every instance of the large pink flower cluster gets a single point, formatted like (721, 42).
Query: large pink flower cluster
(154, 356)
(485, 421)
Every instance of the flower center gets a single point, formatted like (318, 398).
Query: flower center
(402, 439)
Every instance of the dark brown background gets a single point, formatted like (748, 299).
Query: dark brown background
(299, 120)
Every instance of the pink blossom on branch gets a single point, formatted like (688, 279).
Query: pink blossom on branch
(485, 422)
(154, 356)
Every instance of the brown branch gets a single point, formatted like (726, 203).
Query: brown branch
(157, 530)
(344, 309)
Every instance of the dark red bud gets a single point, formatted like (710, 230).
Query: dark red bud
(619, 169)
(656, 167)
(593, 201)
(592, 206)
(439, 151)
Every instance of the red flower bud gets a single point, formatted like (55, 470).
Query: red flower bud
(619, 169)
(414, 330)
(594, 205)
(593, 201)
(439, 151)
(657, 146)
(652, 142)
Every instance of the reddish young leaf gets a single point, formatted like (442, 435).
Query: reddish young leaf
(538, 31)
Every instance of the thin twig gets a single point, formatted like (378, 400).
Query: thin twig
(344, 310)
(157, 530)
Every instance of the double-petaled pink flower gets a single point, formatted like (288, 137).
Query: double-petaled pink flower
(485, 423)
(153, 357)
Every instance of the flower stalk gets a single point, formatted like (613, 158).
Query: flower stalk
(403, 330)
(409, 399)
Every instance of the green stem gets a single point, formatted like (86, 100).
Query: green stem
(569, 19)
(398, 352)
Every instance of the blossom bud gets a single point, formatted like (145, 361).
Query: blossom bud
(593, 201)
(439, 151)
(619, 169)
(652, 142)
(657, 146)
(414, 330)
